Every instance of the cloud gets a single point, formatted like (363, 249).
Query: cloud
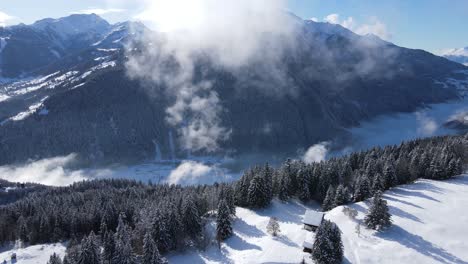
(227, 34)
(372, 26)
(100, 11)
(6, 19)
(427, 126)
(316, 153)
(314, 19)
(195, 173)
(52, 171)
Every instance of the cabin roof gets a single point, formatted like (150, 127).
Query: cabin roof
(313, 218)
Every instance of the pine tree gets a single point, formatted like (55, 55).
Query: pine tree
(54, 259)
(378, 217)
(256, 192)
(223, 221)
(389, 175)
(89, 252)
(191, 218)
(362, 188)
(123, 252)
(283, 194)
(22, 230)
(108, 245)
(340, 195)
(273, 226)
(327, 248)
(150, 251)
(378, 183)
(329, 202)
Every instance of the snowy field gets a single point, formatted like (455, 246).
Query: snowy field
(38, 254)
(429, 226)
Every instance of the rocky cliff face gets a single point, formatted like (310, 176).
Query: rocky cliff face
(86, 103)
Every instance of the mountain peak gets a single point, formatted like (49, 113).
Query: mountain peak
(74, 24)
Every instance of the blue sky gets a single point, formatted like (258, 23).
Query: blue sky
(433, 25)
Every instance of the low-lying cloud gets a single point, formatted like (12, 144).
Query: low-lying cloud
(316, 153)
(372, 26)
(195, 173)
(54, 172)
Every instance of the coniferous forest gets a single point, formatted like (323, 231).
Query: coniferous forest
(138, 222)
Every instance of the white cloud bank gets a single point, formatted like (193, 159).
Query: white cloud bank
(372, 26)
(195, 173)
(52, 172)
(316, 153)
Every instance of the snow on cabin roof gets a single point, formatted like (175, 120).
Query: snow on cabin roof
(313, 218)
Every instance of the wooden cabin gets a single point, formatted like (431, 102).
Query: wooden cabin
(312, 220)
(307, 245)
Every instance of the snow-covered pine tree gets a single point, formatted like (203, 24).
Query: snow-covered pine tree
(273, 226)
(223, 221)
(150, 251)
(327, 248)
(378, 183)
(108, 245)
(54, 259)
(256, 192)
(89, 252)
(378, 216)
(191, 218)
(123, 252)
(362, 188)
(389, 175)
(340, 196)
(159, 232)
(329, 201)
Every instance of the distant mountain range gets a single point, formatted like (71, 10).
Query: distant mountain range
(64, 89)
(458, 55)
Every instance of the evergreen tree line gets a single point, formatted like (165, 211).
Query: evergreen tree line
(125, 213)
(173, 216)
(355, 177)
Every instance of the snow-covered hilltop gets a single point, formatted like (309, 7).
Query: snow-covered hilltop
(428, 227)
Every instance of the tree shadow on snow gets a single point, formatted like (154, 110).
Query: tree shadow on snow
(248, 230)
(237, 243)
(285, 240)
(405, 193)
(420, 245)
(459, 180)
(425, 185)
(390, 198)
(291, 211)
(398, 212)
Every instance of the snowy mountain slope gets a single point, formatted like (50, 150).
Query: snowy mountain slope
(358, 77)
(428, 227)
(458, 55)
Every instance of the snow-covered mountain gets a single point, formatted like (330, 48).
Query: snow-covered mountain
(458, 55)
(66, 90)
